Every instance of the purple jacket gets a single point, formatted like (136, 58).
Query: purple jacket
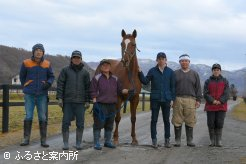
(105, 90)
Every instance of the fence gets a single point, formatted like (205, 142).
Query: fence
(5, 104)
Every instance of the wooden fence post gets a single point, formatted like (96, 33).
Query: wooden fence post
(5, 121)
(143, 101)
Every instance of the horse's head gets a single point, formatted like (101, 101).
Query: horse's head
(128, 47)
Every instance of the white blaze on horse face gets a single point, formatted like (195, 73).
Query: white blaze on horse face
(127, 41)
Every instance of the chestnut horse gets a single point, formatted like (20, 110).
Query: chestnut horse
(127, 72)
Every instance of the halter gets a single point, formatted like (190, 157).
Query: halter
(130, 54)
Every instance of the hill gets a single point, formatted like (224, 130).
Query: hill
(11, 60)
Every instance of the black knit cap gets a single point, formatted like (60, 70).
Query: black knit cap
(37, 46)
(216, 65)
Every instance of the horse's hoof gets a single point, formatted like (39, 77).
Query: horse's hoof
(116, 142)
(134, 142)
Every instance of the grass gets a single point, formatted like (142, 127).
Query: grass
(243, 160)
(17, 114)
(239, 112)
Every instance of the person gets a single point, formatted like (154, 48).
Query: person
(188, 98)
(73, 97)
(36, 77)
(233, 92)
(216, 93)
(162, 95)
(104, 89)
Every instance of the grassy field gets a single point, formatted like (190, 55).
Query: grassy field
(17, 114)
(239, 112)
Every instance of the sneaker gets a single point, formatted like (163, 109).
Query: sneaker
(154, 143)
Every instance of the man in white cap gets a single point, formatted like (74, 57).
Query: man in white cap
(188, 98)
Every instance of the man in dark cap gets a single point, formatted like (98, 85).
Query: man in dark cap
(216, 94)
(36, 77)
(73, 97)
(162, 95)
(104, 89)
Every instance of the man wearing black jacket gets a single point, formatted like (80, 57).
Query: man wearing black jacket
(73, 97)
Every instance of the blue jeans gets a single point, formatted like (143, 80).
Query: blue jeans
(69, 111)
(155, 108)
(41, 103)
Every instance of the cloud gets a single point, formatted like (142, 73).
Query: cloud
(203, 29)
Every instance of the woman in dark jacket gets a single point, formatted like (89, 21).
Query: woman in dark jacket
(216, 93)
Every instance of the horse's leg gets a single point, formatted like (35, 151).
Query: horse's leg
(117, 121)
(133, 108)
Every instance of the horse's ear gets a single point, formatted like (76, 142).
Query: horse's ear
(134, 33)
(123, 33)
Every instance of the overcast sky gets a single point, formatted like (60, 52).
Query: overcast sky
(208, 30)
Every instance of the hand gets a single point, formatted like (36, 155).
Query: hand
(60, 103)
(215, 102)
(94, 100)
(139, 69)
(124, 91)
(171, 104)
(46, 85)
(197, 104)
(87, 105)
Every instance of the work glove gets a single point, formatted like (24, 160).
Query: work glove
(87, 105)
(46, 85)
(60, 103)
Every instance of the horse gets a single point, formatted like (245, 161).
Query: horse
(127, 72)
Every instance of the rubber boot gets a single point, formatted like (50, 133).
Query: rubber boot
(96, 134)
(43, 133)
(65, 136)
(79, 134)
(27, 132)
(189, 136)
(211, 136)
(177, 131)
(108, 143)
(218, 133)
(167, 143)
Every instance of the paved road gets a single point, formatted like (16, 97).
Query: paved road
(234, 150)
